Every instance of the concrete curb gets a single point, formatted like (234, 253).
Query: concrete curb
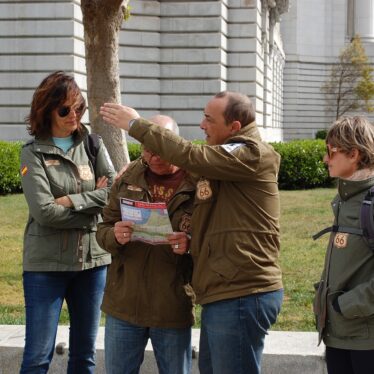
(284, 353)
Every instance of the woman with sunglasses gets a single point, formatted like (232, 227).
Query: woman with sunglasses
(65, 196)
(344, 302)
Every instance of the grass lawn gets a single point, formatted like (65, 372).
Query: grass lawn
(303, 214)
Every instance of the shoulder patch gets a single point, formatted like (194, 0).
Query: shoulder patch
(24, 170)
(232, 146)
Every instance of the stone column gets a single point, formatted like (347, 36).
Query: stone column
(364, 19)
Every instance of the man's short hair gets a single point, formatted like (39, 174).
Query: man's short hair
(239, 108)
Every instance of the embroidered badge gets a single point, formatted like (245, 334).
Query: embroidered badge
(131, 187)
(24, 170)
(232, 146)
(340, 240)
(85, 172)
(185, 223)
(52, 162)
(204, 190)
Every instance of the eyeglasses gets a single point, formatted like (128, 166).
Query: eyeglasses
(330, 151)
(65, 110)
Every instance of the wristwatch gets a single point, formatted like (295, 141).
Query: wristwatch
(131, 122)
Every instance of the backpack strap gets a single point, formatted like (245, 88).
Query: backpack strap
(337, 228)
(92, 145)
(366, 216)
(366, 222)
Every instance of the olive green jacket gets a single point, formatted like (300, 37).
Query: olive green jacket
(58, 238)
(146, 284)
(235, 222)
(348, 275)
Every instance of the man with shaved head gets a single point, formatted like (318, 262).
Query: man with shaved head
(147, 294)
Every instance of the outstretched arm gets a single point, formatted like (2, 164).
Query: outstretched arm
(118, 115)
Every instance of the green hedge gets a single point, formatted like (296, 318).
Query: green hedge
(321, 134)
(10, 180)
(301, 164)
(134, 150)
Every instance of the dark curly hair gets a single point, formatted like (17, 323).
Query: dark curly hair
(52, 92)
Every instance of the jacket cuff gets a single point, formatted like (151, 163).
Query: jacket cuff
(139, 128)
(78, 202)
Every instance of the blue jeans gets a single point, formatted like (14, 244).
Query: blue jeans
(44, 296)
(233, 333)
(125, 344)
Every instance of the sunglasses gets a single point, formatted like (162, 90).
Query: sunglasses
(330, 151)
(65, 110)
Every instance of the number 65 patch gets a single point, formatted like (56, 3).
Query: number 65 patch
(340, 240)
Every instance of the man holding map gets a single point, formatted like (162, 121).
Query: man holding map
(147, 293)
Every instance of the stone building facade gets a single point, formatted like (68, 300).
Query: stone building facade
(314, 32)
(175, 54)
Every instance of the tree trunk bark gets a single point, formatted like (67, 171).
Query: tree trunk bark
(102, 21)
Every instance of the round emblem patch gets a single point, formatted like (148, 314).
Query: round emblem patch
(204, 191)
(341, 240)
(85, 172)
(185, 223)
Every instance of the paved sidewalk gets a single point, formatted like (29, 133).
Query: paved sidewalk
(284, 353)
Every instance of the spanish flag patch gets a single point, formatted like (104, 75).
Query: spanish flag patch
(24, 170)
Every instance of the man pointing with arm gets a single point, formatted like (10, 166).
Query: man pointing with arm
(235, 227)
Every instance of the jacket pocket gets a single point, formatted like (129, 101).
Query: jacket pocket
(342, 327)
(319, 305)
(220, 264)
(95, 250)
(115, 279)
(42, 244)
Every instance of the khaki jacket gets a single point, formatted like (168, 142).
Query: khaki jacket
(58, 238)
(235, 223)
(146, 283)
(348, 275)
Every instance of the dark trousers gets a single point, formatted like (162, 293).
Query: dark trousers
(347, 361)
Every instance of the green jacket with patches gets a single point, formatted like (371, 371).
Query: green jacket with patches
(235, 222)
(348, 276)
(146, 284)
(58, 238)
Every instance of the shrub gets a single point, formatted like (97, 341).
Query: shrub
(10, 180)
(302, 164)
(134, 150)
(321, 134)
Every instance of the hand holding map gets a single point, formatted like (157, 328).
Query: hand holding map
(151, 220)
